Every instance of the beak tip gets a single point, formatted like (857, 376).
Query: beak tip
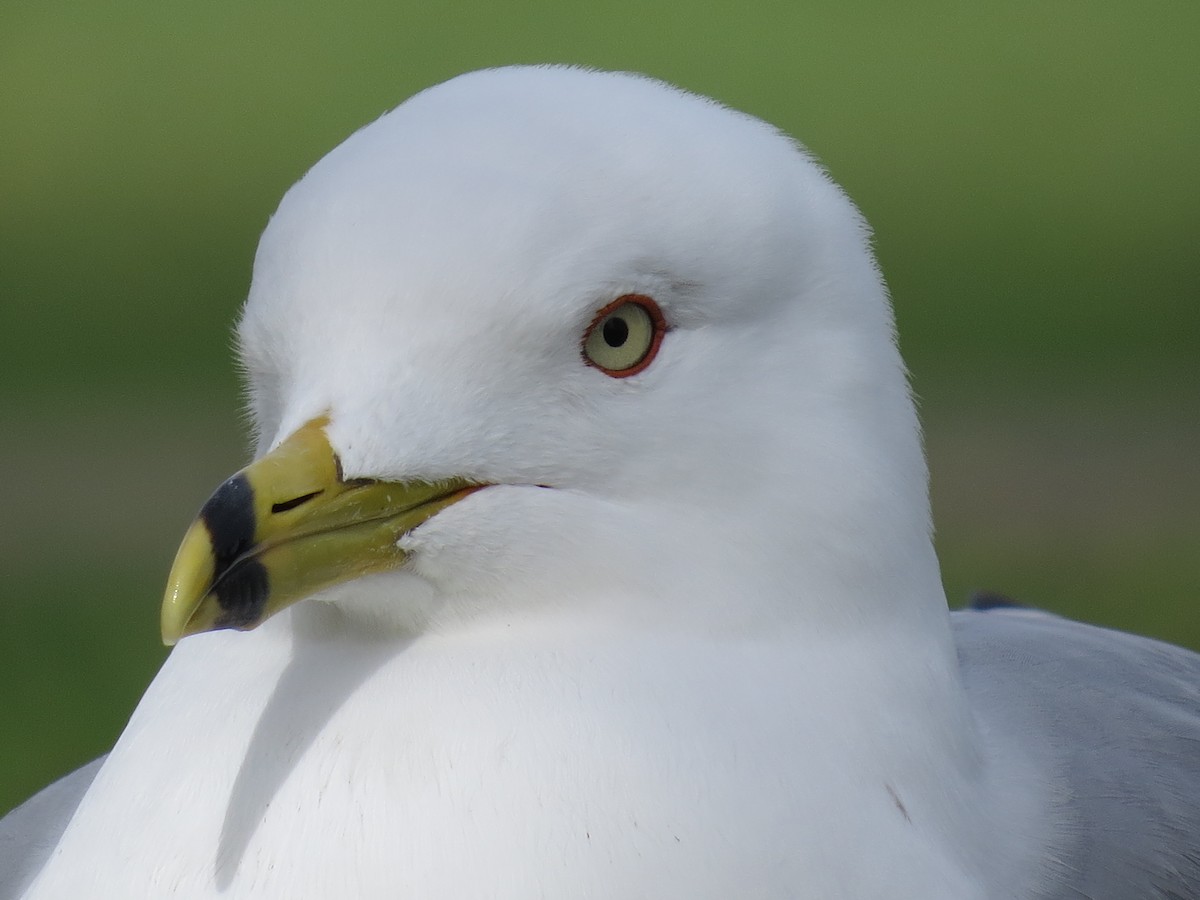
(187, 585)
(174, 619)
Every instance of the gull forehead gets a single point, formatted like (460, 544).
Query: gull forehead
(498, 183)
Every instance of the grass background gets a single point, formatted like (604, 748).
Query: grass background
(1030, 169)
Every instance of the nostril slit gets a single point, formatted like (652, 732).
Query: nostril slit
(285, 505)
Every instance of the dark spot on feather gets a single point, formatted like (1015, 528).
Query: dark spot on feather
(899, 804)
(985, 600)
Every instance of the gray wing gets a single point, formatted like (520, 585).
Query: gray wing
(30, 832)
(1114, 719)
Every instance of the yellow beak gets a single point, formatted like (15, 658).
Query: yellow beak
(285, 527)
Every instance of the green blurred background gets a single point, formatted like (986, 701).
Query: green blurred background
(1030, 170)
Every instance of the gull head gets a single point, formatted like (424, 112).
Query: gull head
(548, 341)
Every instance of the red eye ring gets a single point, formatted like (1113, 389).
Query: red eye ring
(607, 338)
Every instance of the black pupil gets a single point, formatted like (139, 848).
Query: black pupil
(616, 331)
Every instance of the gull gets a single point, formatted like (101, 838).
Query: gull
(586, 553)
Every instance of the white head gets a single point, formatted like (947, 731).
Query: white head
(429, 283)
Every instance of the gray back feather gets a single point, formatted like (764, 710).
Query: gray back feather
(1115, 720)
(29, 834)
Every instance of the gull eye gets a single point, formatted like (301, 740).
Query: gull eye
(624, 337)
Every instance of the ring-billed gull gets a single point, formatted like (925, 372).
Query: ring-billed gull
(587, 554)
